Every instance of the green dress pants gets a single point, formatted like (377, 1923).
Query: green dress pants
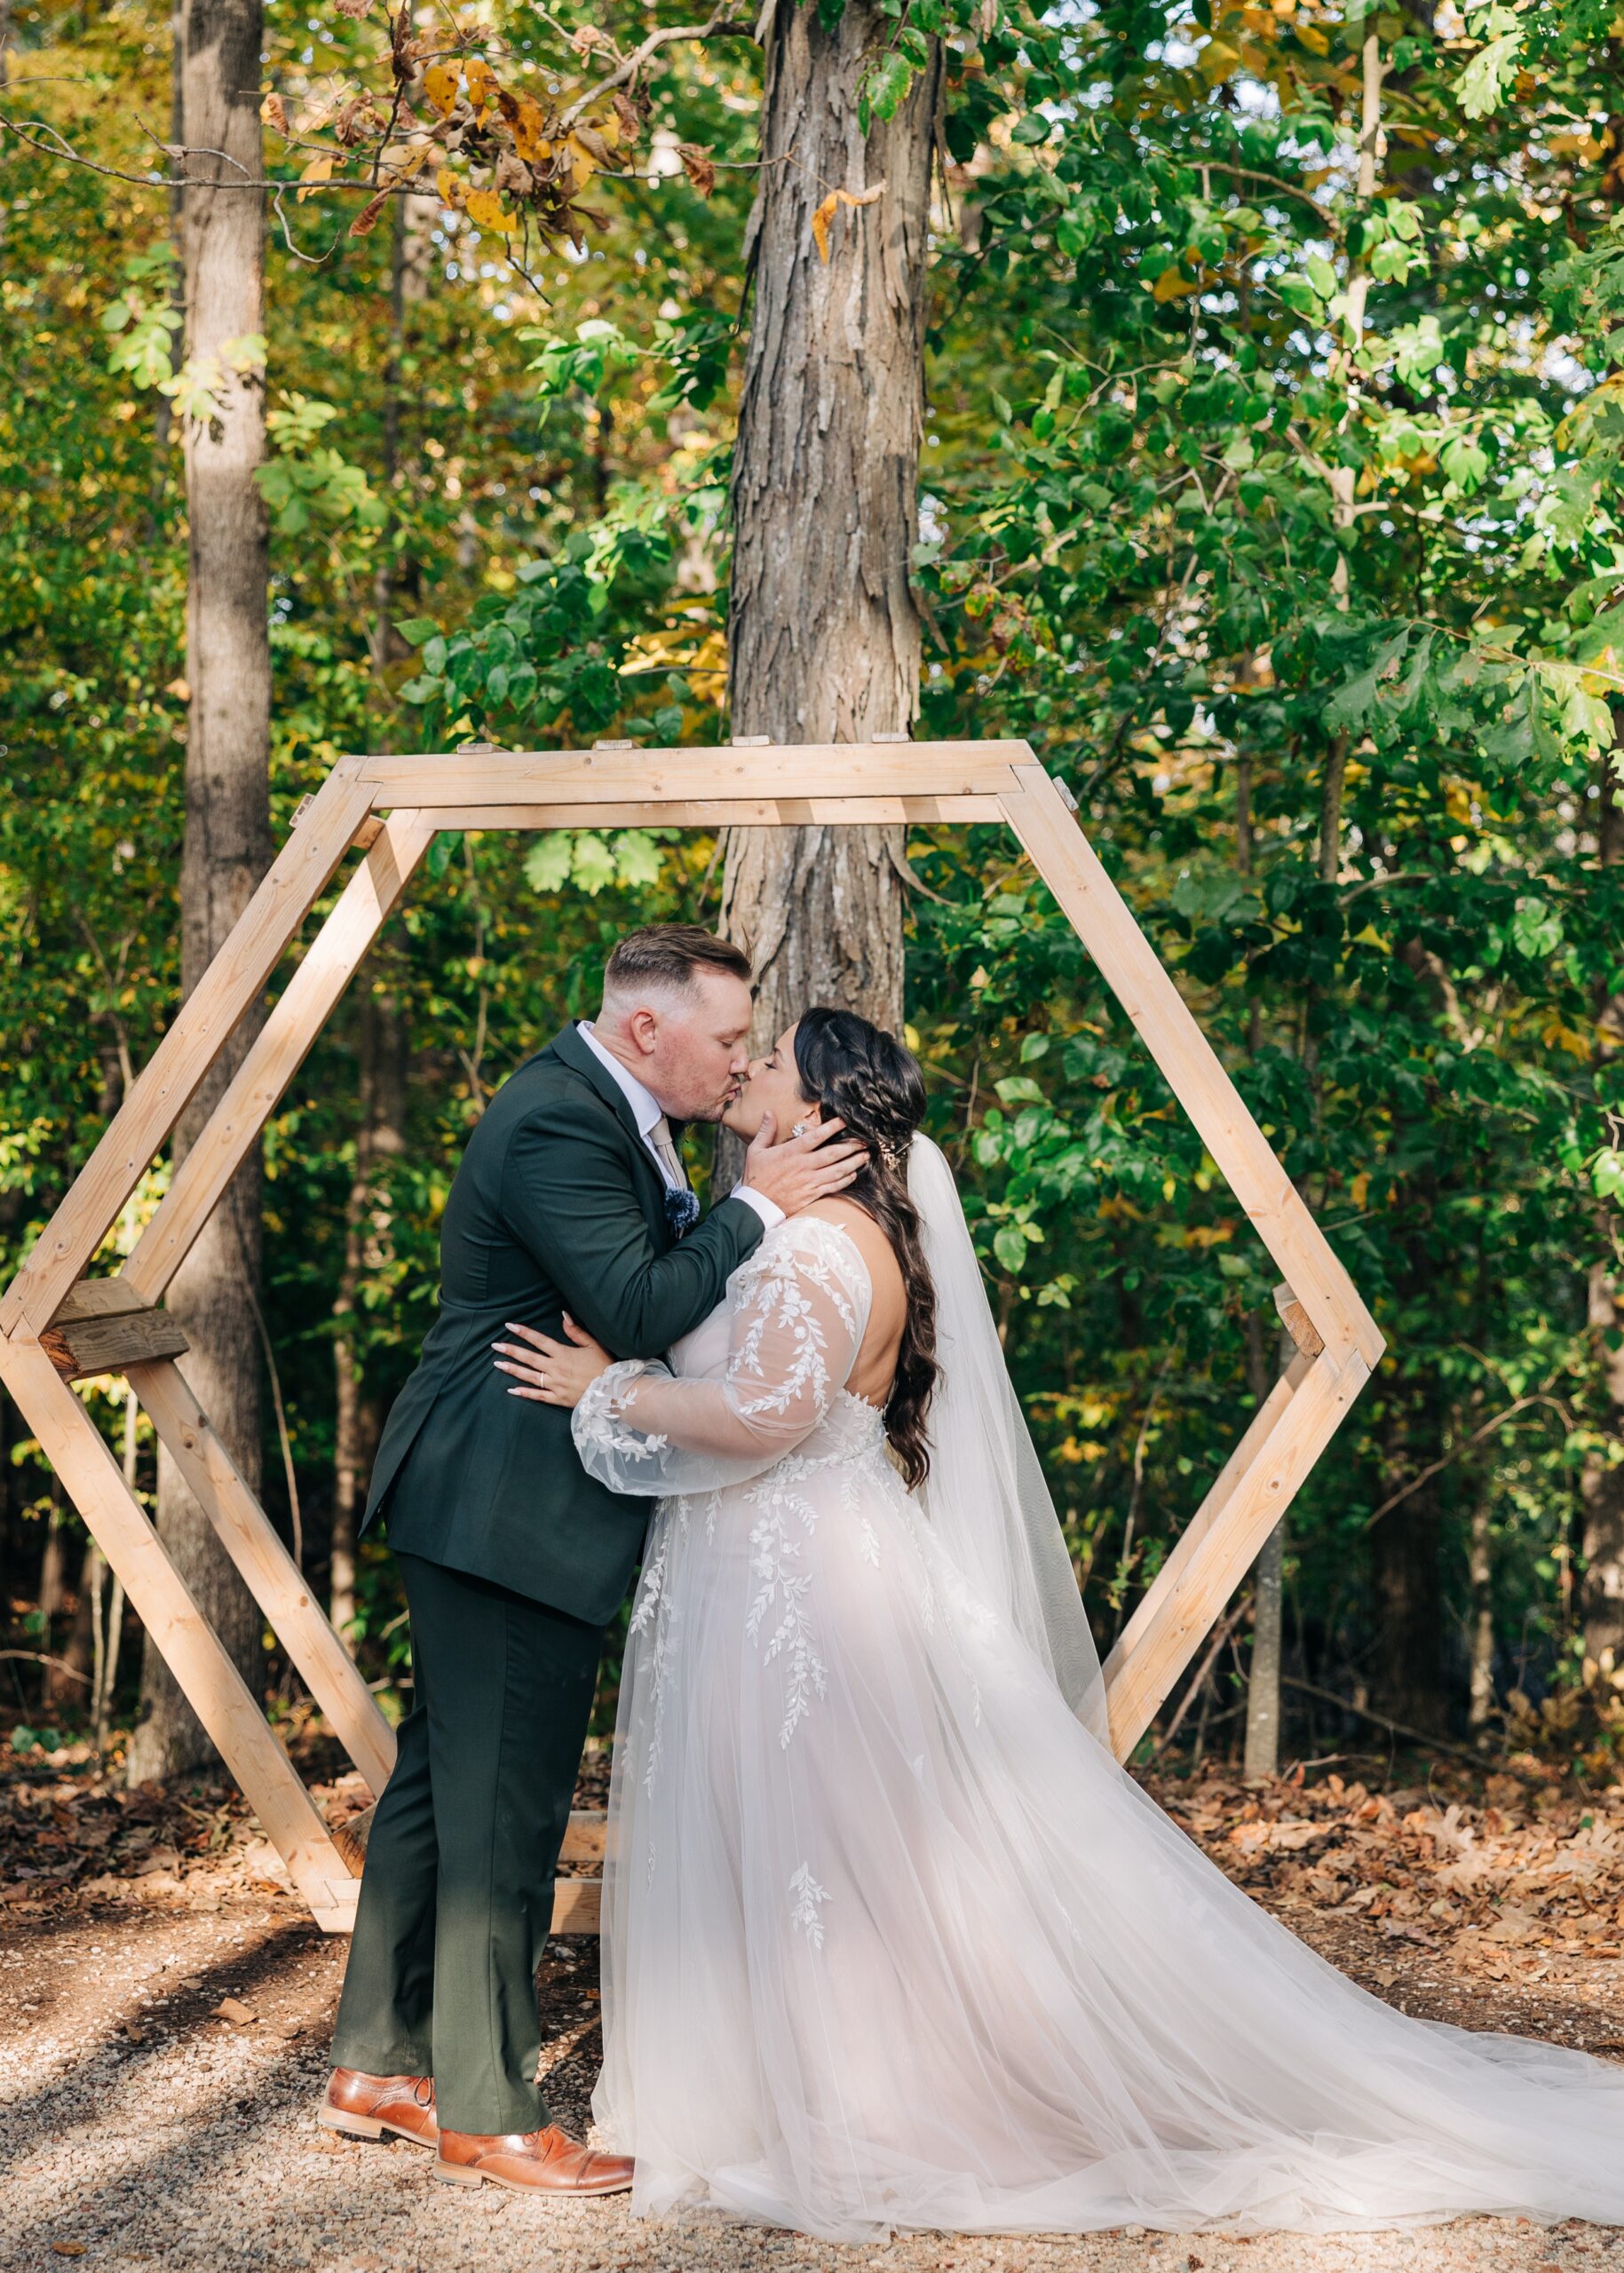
(457, 1898)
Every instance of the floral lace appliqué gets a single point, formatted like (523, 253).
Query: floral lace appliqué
(806, 1910)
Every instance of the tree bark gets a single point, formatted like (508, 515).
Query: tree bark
(1408, 1676)
(411, 257)
(1262, 1730)
(823, 628)
(380, 1137)
(227, 810)
(1600, 1592)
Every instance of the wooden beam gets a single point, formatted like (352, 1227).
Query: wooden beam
(278, 1052)
(268, 1570)
(214, 1690)
(578, 1905)
(231, 985)
(725, 812)
(1139, 1676)
(1205, 1519)
(704, 777)
(99, 1298)
(1298, 1322)
(114, 1341)
(1068, 865)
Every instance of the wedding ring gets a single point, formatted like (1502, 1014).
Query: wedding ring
(799, 1129)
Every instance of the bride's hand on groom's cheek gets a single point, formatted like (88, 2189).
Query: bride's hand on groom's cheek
(548, 1372)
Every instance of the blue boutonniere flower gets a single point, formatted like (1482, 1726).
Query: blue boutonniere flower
(681, 1211)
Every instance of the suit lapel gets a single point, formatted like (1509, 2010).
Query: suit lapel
(575, 1053)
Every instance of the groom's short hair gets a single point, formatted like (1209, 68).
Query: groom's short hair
(668, 955)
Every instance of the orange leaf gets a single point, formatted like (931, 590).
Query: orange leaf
(482, 88)
(529, 131)
(366, 220)
(825, 213)
(696, 164)
(450, 189)
(274, 113)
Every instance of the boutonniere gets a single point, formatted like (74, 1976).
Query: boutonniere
(681, 1210)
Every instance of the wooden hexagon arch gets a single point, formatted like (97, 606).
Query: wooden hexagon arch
(56, 1325)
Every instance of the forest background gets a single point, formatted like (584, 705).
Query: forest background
(1269, 486)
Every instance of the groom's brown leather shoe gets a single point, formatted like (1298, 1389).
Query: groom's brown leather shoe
(365, 2107)
(535, 2162)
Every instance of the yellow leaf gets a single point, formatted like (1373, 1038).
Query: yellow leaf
(440, 82)
(825, 213)
(1317, 42)
(584, 163)
(486, 207)
(450, 189)
(1564, 1037)
(1173, 285)
(318, 170)
(529, 135)
(1358, 1191)
(482, 88)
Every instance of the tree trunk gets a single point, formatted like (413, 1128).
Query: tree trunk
(411, 257)
(1262, 1732)
(1601, 1594)
(823, 628)
(227, 821)
(380, 1136)
(1408, 1676)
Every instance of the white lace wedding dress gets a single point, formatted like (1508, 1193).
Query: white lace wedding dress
(890, 1938)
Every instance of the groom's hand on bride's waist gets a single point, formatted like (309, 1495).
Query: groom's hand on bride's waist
(804, 1170)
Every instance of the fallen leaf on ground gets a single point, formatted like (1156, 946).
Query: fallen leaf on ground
(233, 2009)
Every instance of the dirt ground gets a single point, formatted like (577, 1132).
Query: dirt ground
(165, 2004)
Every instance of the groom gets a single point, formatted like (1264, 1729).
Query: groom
(570, 1196)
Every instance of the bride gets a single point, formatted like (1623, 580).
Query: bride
(889, 1937)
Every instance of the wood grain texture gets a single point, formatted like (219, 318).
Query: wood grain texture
(268, 1570)
(704, 776)
(289, 889)
(279, 1050)
(112, 1343)
(1138, 1678)
(728, 812)
(73, 1445)
(1068, 864)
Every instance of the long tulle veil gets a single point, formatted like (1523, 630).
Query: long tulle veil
(985, 1497)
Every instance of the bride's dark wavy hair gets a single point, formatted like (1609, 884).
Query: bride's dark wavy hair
(865, 1077)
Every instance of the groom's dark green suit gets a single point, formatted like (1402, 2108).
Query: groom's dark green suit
(513, 1562)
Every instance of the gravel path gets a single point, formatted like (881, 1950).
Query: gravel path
(141, 2129)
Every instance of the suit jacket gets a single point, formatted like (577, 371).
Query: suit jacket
(557, 1205)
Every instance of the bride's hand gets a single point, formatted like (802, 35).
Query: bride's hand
(549, 1371)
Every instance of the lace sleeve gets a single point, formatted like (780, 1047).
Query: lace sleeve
(800, 1305)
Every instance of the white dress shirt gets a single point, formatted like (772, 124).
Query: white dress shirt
(656, 1130)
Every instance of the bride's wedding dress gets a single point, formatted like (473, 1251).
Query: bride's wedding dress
(890, 1938)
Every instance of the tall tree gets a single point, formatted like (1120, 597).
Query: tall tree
(227, 792)
(823, 628)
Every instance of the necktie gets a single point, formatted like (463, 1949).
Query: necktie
(660, 1137)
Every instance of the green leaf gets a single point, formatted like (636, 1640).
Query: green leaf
(547, 862)
(1010, 1246)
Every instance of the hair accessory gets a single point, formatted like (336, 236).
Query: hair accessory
(892, 1154)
